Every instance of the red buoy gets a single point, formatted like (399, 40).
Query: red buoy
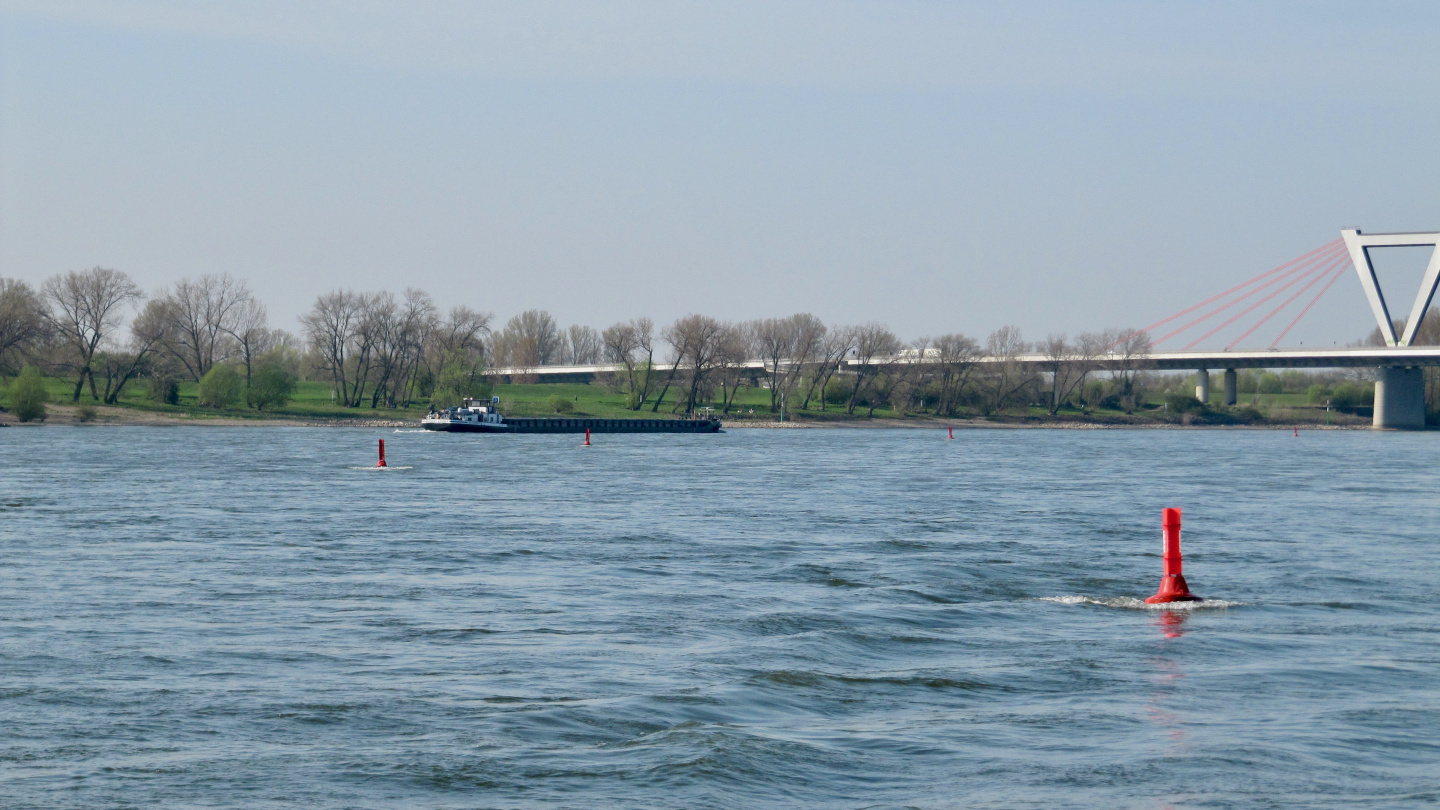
(952, 432)
(1297, 432)
(587, 437)
(382, 454)
(1172, 581)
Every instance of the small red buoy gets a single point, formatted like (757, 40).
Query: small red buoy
(952, 431)
(587, 437)
(382, 454)
(1297, 432)
(1172, 581)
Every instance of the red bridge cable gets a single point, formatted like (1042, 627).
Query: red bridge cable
(1327, 246)
(1302, 269)
(1317, 297)
(1288, 301)
(1246, 311)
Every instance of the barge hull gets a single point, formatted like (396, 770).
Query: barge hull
(547, 425)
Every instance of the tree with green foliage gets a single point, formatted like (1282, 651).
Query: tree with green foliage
(164, 390)
(460, 376)
(28, 395)
(271, 386)
(221, 387)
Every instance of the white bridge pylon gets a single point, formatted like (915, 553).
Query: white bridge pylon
(1359, 245)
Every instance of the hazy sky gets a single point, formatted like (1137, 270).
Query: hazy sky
(936, 166)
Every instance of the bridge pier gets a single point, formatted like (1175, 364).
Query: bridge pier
(1232, 387)
(1399, 397)
(1202, 386)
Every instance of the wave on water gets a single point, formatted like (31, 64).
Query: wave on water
(1131, 603)
(383, 469)
(411, 430)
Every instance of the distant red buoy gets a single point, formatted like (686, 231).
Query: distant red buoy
(952, 432)
(1172, 581)
(1297, 432)
(382, 454)
(587, 437)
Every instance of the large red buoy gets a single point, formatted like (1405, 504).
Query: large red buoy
(952, 431)
(382, 454)
(1172, 581)
(587, 437)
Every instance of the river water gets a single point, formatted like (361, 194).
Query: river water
(246, 617)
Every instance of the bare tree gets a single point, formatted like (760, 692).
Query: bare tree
(147, 332)
(84, 308)
(632, 345)
(419, 319)
(532, 339)
(730, 355)
(875, 352)
(205, 312)
(457, 349)
(809, 338)
(832, 349)
(1087, 349)
(697, 340)
(1059, 361)
(955, 358)
(619, 345)
(249, 329)
(584, 345)
(22, 321)
(1130, 352)
(382, 329)
(330, 328)
(773, 340)
(1006, 376)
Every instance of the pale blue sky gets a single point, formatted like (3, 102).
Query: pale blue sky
(937, 166)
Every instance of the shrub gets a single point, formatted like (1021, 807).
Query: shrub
(86, 412)
(560, 404)
(1317, 394)
(221, 387)
(1349, 396)
(1183, 404)
(1249, 413)
(270, 386)
(164, 390)
(28, 395)
(1270, 383)
(837, 391)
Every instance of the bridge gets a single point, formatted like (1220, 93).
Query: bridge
(1398, 366)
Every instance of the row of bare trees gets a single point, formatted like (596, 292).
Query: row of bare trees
(75, 325)
(382, 349)
(378, 349)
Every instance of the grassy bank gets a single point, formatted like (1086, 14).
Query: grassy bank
(312, 403)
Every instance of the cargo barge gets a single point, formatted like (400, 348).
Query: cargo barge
(480, 416)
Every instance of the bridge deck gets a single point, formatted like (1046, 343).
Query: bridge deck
(1162, 361)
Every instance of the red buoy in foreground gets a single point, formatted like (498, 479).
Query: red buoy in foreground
(587, 437)
(952, 432)
(382, 454)
(1172, 581)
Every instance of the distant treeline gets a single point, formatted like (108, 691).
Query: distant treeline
(382, 349)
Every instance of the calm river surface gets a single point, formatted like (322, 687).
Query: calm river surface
(245, 617)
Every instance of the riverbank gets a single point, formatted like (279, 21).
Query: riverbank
(111, 416)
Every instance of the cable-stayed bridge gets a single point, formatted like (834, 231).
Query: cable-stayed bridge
(1287, 292)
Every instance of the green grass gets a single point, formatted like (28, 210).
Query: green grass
(312, 401)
